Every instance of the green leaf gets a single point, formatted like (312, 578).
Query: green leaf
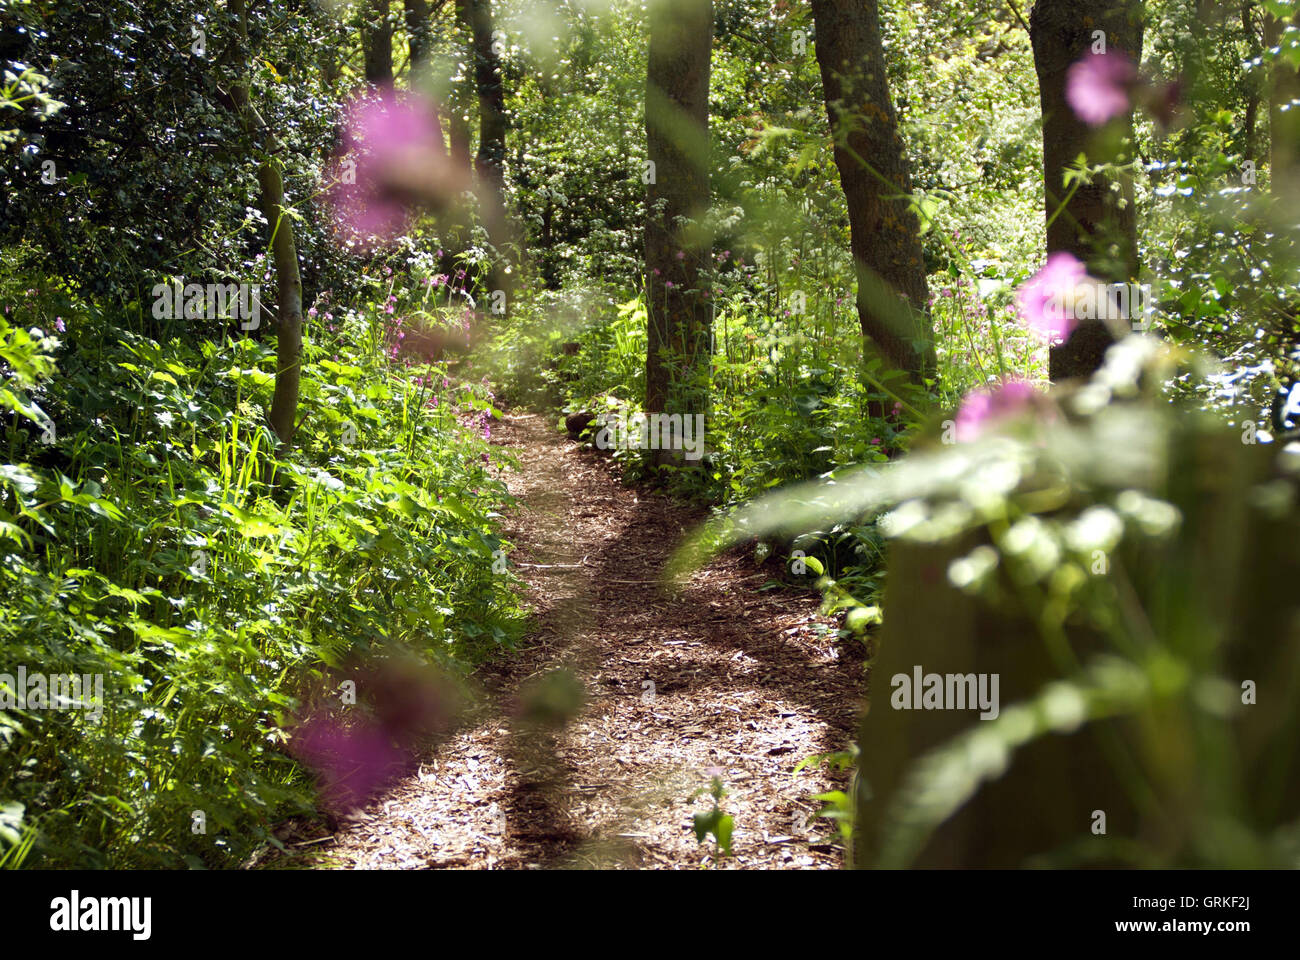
(723, 832)
(251, 525)
(859, 618)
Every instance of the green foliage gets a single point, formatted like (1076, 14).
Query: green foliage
(967, 97)
(791, 394)
(1074, 526)
(837, 805)
(163, 543)
(713, 821)
(154, 532)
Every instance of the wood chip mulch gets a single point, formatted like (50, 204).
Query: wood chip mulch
(714, 678)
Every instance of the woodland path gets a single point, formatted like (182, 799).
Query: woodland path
(746, 682)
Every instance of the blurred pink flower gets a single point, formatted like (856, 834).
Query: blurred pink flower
(1041, 301)
(351, 761)
(394, 157)
(1097, 87)
(979, 408)
(413, 706)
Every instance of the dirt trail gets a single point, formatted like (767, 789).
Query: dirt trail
(719, 676)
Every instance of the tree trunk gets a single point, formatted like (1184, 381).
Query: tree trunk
(330, 68)
(884, 233)
(419, 37)
(288, 280)
(490, 162)
(1211, 585)
(1283, 125)
(458, 125)
(1254, 51)
(677, 144)
(1097, 224)
(377, 43)
(288, 285)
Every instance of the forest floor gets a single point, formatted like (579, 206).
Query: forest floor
(716, 678)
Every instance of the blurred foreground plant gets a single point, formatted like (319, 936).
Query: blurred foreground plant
(1127, 570)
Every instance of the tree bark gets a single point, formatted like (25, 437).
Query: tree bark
(458, 125)
(677, 197)
(420, 40)
(288, 279)
(490, 161)
(288, 285)
(884, 233)
(377, 43)
(1254, 50)
(1283, 125)
(1096, 224)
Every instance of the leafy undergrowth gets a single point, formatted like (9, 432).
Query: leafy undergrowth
(155, 538)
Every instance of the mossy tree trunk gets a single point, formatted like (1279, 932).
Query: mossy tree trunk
(284, 250)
